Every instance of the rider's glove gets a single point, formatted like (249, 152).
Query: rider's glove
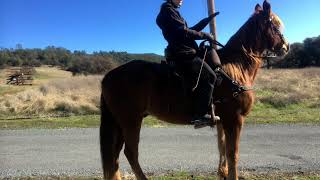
(207, 36)
(213, 15)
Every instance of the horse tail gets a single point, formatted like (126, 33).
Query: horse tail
(111, 142)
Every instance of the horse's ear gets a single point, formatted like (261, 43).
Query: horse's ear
(267, 8)
(257, 9)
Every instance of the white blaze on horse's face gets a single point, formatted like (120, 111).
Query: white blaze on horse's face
(278, 27)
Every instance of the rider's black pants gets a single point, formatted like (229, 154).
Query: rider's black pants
(202, 95)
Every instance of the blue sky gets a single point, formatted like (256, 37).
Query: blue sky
(129, 25)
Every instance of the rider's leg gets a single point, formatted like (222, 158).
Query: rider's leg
(203, 92)
(213, 59)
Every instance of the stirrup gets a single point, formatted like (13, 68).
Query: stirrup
(204, 121)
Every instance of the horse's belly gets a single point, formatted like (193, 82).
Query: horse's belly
(170, 105)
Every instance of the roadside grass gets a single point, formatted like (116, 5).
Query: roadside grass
(304, 113)
(151, 121)
(87, 121)
(180, 176)
(270, 116)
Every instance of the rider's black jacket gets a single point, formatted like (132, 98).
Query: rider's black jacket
(180, 38)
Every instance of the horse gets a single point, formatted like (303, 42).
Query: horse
(140, 88)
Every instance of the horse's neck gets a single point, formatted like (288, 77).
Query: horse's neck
(245, 37)
(240, 55)
(241, 66)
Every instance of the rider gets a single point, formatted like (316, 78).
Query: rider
(183, 50)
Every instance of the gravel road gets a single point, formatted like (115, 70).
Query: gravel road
(75, 152)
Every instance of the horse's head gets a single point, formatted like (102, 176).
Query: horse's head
(261, 33)
(267, 26)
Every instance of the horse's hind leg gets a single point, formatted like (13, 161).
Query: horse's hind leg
(110, 150)
(223, 166)
(111, 142)
(131, 137)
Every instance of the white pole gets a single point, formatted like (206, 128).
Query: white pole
(211, 10)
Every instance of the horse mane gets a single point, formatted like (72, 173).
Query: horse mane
(243, 69)
(238, 57)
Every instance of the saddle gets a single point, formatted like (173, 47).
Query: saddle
(174, 76)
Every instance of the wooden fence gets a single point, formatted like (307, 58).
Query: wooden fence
(20, 75)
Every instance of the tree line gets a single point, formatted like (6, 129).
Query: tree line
(301, 55)
(78, 62)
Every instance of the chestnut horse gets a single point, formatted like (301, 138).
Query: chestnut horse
(140, 88)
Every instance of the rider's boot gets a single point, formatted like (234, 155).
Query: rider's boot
(202, 102)
(208, 120)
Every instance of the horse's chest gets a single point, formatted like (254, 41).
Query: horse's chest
(246, 101)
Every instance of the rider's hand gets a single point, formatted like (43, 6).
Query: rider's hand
(213, 15)
(207, 36)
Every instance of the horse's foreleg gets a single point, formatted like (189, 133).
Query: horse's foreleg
(131, 138)
(223, 166)
(232, 133)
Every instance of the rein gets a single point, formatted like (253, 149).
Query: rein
(203, 59)
(245, 51)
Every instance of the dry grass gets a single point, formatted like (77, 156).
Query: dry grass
(54, 93)
(43, 75)
(287, 96)
(72, 95)
(280, 88)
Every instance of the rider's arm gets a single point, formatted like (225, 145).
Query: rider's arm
(203, 23)
(178, 26)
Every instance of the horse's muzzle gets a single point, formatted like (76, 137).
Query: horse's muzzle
(283, 50)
